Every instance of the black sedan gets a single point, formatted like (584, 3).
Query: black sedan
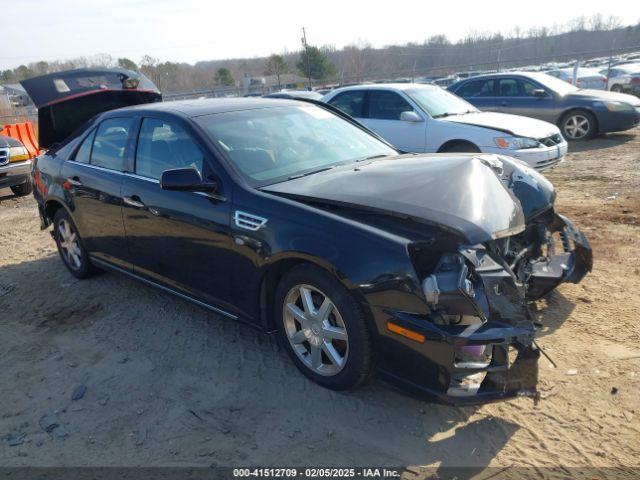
(580, 114)
(294, 218)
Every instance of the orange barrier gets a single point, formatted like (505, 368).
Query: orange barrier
(25, 133)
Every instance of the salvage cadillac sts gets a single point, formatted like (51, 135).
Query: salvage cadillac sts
(293, 217)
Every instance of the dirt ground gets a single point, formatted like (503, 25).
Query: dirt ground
(171, 384)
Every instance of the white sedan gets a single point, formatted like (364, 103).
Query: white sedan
(425, 118)
(624, 78)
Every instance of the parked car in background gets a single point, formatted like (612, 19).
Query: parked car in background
(445, 81)
(623, 78)
(586, 77)
(296, 219)
(579, 113)
(15, 166)
(294, 94)
(426, 118)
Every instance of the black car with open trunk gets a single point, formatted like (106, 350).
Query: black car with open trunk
(294, 218)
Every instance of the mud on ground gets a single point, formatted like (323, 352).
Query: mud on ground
(171, 384)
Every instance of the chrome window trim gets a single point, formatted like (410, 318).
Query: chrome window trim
(220, 198)
(95, 167)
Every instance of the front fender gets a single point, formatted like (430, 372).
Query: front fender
(373, 264)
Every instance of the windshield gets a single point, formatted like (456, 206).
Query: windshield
(271, 145)
(559, 86)
(440, 103)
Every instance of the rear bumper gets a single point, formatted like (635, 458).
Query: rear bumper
(540, 158)
(16, 173)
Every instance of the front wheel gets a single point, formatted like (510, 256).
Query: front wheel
(578, 125)
(23, 189)
(616, 88)
(323, 328)
(70, 247)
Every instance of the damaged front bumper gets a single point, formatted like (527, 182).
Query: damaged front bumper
(476, 342)
(571, 265)
(461, 364)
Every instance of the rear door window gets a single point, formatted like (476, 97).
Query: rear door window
(350, 102)
(476, 88)
(110, 143)
(387, 105)
(163, 146)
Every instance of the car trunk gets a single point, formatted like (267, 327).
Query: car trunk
(66, 100)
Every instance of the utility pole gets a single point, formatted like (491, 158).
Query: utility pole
(306, 49)
(613, 44)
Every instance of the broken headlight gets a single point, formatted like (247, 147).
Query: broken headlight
(454, 289)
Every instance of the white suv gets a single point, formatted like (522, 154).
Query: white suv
(425, 118)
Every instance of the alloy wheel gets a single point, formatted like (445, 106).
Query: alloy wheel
(69, 245)
(577, 126)
(315, 330)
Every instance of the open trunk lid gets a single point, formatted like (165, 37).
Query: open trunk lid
(66, 100)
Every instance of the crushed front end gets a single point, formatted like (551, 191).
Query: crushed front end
(476, 343)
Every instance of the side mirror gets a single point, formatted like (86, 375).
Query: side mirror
(186, 180)
(410, 116)
(539, 93)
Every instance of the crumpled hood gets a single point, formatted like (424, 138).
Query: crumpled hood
(459, 193)
(512, 124)
(603, 95)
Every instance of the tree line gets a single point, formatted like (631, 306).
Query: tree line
(436, 55)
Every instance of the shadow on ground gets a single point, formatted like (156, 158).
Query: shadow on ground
(609, 140)
(171, 384)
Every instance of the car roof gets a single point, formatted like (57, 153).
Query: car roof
(538, 76)
(387, 86)
(207, 106)
(630, 67)
(580, 69)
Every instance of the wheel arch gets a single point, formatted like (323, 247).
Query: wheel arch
(51, 207)
(275, 271)
(457, 141)
(577, 109)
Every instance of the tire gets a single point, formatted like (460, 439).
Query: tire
(23, 189)
(616, 88)
(70, 246)
(578, 125)
(339, 332)
(459, 147)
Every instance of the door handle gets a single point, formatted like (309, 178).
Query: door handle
(75, 181)
(504, 104)
(133, 201)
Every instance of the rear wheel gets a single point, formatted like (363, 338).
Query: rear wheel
(323, 328)
(23, 189)
(578, 125)
(616, 88)
(70, 247)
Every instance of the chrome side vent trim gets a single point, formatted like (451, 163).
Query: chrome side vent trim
(249, 221)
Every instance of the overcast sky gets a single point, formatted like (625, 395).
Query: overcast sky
(192, 30)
